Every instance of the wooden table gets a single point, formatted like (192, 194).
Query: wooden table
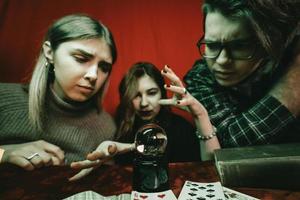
(52, 182)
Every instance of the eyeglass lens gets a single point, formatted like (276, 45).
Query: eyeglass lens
(237, 50)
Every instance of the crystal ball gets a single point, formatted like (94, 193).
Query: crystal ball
(151, 140)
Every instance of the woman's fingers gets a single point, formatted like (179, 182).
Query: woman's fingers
(104, 151)
(177, 90)
(55, 161)
(24, 163)
(81, 174)
(168, 73)
(53, 150)
(85, 164)
(167, 102)
(41, 159)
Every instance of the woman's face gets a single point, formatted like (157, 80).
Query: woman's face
(229, 71)
(81, 68)
(145, 102)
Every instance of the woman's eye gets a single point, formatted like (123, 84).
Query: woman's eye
(153, 92)
(213, 46)
(137, 96)
(105, 66)
(81, 59)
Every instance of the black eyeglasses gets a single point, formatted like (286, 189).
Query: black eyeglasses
(242, 49)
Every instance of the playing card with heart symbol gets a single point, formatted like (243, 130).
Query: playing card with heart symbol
(165, 195)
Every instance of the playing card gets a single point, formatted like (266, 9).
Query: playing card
(235, 195)
(201, 191)
(165, 195)
(91, 195)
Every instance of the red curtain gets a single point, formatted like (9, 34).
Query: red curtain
(158, 31)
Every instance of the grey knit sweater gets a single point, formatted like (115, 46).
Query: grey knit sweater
(77, 130)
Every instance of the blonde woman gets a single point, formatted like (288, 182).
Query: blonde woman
(58, 118)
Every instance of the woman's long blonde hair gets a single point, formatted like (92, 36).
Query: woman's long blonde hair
(71, 27)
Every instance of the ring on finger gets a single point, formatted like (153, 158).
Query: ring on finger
(32, 156)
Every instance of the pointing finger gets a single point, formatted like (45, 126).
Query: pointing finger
(81, 174)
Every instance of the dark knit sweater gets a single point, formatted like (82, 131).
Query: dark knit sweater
(77, 130)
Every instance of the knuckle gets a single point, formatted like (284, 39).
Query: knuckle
(56, 149)
(27, 166)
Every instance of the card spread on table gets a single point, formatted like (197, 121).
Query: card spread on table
(165, 195)
(235, 195)
(201, 191)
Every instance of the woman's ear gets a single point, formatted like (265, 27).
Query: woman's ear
(48, 52)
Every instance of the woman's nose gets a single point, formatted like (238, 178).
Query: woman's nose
(144, 101)
(92, 73)
(223, 57)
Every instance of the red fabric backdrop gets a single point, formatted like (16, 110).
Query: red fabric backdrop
(159, 31)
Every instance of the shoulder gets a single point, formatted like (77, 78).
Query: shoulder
(13, 96)
(13, 91)
(9, 87)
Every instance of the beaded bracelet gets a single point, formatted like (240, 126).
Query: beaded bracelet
(208, 137)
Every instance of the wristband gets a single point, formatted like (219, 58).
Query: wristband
(1, 154)
(208, 137)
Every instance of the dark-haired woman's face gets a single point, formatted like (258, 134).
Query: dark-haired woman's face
(227, 69)
(81, 68)
(145, 102)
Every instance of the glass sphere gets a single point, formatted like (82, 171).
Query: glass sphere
(151, 140)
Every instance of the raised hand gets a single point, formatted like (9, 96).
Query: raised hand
(33, 155)
(181, 97)
(103, 154)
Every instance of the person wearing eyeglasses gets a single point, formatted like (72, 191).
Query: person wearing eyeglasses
(246, 82)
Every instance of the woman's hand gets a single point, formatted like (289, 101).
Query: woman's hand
(33, 155)
(181, 97)
(103, 154)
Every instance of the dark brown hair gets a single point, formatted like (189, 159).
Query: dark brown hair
(125, 116)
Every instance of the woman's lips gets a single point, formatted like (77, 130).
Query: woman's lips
(145, 113)
(223, 75)
(86, 89)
